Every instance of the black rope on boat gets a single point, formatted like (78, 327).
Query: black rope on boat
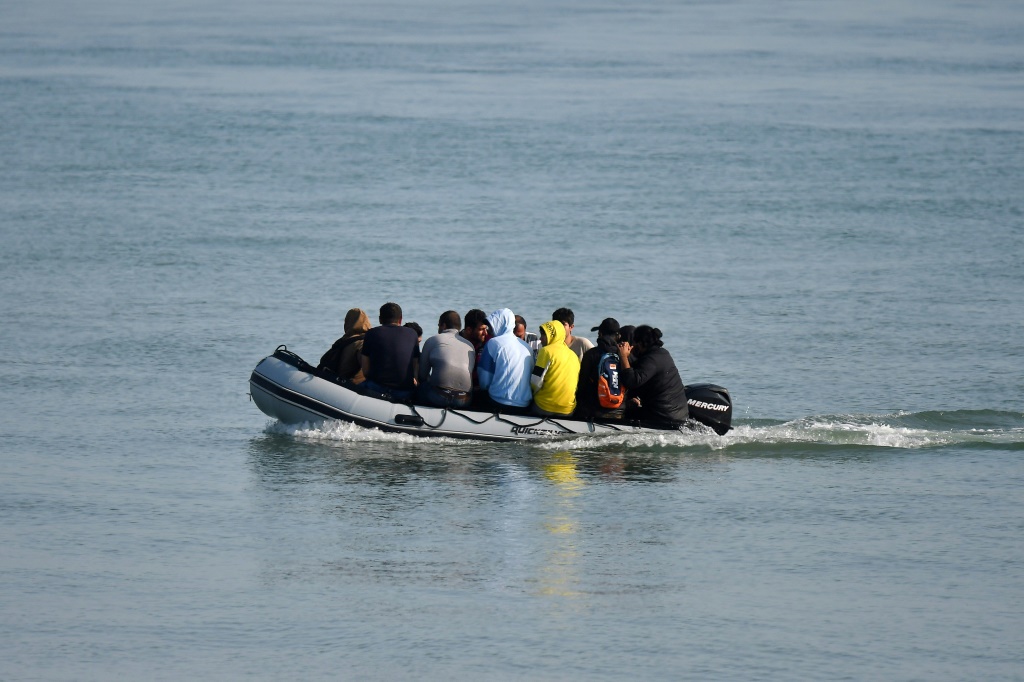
(554, 422)
(282, 353)
(563, 426)
(498, 416)
(467, 417)
(444, 415)
(527, 426)
(592, 424)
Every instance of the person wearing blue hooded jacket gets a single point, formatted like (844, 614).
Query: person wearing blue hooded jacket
(506, 363)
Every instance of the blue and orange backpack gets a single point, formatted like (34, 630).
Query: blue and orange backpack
(609, 392)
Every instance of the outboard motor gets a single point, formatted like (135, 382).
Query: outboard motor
(710, 405)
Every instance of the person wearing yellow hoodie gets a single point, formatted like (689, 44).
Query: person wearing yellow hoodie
(555, 373)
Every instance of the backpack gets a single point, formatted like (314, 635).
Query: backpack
(609, 393)
(331, 358)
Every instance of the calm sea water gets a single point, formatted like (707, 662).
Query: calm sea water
(820, 204)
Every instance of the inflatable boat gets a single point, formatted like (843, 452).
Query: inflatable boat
(287, 388)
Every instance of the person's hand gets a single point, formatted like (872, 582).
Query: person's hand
(625, 348)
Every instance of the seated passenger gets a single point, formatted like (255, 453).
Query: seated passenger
(477, 333)
(446, 365)
(656, 393)
(416, 328)
(390, 355)
(529, 338)
(577, 344)
(505, 366)
(600, 394)
(555, 374)
(343, 357)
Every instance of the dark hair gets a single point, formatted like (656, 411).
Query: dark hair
(390, 313)
(475, 318)
(648, 336)
(520, 320)
(626, 333)
(415, 327)
(449, 320)
(564, 315)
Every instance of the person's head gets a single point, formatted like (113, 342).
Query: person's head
(416, 328)
(390, 313)
(356, 321)
(449, 320)
(501, 322)
(567, 318)
(552, 332)
(645, 338)
(609, 327)
(476, 326)
(520, 330)
(626, 333)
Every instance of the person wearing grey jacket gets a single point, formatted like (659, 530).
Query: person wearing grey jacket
(446, 365)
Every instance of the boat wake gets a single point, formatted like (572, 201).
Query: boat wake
(983, 428)
(332, 431)
(902, 430)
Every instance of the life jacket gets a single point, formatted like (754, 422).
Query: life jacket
(609, 392)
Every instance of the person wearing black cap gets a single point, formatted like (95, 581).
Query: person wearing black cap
(599, 376)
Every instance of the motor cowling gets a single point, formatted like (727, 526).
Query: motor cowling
(710, 405)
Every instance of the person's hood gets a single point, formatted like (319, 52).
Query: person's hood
(356, 322)
(555, 331)
(502, 321)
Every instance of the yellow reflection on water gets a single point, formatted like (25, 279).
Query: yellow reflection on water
(562, 470)
(560, 574)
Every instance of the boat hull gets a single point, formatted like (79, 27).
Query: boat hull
(289, 390)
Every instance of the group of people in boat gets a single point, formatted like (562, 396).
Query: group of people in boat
(492, 363)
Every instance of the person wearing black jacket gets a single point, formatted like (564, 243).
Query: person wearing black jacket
(587, 404)
(656, 393)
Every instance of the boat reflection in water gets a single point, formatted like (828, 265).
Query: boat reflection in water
(380, 513)
(560, 572)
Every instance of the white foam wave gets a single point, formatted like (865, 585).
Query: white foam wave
(855, 430)
(869, 430)
(701, 437)
(872, 431)
(345, 432)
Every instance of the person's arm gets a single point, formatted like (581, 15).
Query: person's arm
(422, 372)
(625, 348)
(364, 364)
(632, 376)
(485, 368)
(540, 371)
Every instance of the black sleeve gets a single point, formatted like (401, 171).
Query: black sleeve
(639, 374)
